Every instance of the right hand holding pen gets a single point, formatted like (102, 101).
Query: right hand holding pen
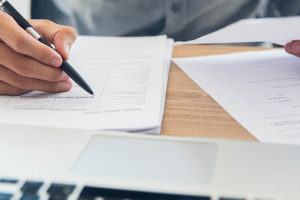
(26, 64)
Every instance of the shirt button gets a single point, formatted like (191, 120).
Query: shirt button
(176, 7)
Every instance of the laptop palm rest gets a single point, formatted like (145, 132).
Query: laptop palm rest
(147, 161)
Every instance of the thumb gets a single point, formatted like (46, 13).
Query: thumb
(62, 37)
(63, 42)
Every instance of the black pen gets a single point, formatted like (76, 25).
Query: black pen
(66, 67)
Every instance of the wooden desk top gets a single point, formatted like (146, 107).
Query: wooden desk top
(190, 111)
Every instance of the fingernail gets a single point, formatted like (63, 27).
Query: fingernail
(287, 47)
(67, 48)
(56, 62)
(68, 43)
(66, 86)
(64, 76)
(56, 59)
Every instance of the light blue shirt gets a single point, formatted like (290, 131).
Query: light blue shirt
(179, 19)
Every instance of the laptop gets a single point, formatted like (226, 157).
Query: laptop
(57, 164)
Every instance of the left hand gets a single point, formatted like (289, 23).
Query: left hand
(293, 48)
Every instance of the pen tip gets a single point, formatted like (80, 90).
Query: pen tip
(91, 92)
(87, 89)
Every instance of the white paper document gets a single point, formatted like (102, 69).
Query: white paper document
(261, 90)
(24, 7)
(279, 30)
(128, 76)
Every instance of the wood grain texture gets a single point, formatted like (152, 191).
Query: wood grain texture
(190, 111)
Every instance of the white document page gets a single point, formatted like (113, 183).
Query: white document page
(168, 59)
(128, 76)
(261, 90)
(23, 7)
(279, 30)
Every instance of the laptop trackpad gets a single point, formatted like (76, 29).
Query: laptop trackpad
(148, 161)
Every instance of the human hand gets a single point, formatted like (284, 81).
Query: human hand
(26, 64)
(293, 47)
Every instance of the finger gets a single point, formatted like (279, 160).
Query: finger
(294, 47)
(62, 37)
(28, 67)
(6, 89)
(19, 40)
(18, 81)
(287, 47)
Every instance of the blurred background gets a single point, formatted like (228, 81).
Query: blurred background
(179, 19)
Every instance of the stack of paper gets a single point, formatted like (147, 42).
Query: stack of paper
(259, 89)
(128, 75)
(279, 30)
